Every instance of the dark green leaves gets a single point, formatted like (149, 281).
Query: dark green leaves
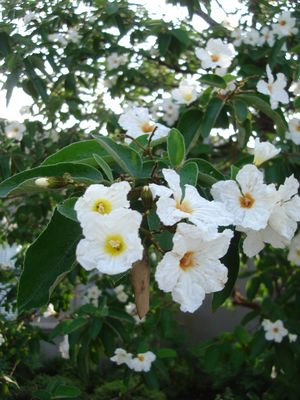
(176, 148)
(213, 80)
(47, 261)
(240, 110)
(189, 125)
(104, 166)
(232, 261)
(212, 112)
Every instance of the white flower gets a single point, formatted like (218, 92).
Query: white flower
(121, 357)
(73, 36)
(185, 94)
(273, 373)
(100, 200)
(50, 311)
(295, 88)
(274, 330)
(25, 110)
(294, 131)
(115, 60)
(292, 337)
(64, 347)
(264, 151)
(2, 340)
(15, 130)
(215, 54)
(92, 295)
(143, 362)
(122, 296)
(8, 254)
(267, 36)
(193, 268)
(58, 37)
(112, 244)
(285, 25)
(282, 223)
(130, 308)
(274, 89)
(30, 16)
(294, 250)
(171, 112)
(248, 198)
(172, 206)
(253, 38)
(237, 35)
(137, 121)
(230, 87)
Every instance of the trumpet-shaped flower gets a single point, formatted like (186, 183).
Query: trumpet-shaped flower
(294, 131)
(100, 200)
(294, 250)
(121, 357)
(143, 362)
(112, 244)
(285, 25)
(253, 38)
(264, 151)
(137, 122)
(215, 54)
(172, 206)
(248, 198)
(193, 268)
(274, 330)
(185, 94)
(274, 89)
(15, 130)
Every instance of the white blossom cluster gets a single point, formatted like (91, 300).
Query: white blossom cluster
(131, 309)
(121, 295)
(8, 254)
(141, 363)
(111, 229)
(92, 295)
(115, 60)
(285, 26)
(71, 36)
(276, 331)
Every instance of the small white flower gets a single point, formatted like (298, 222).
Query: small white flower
(50, 311)
(285, 25)
(15, 130)
(122, 296)
(253, 38)
(112, 244)
(171, 112)
(248, 198)
(230, 87)
(130, 308)
(64, 348)
(172, 206)
(121, 357)
(100, 201)
(294, 131)
(273, 373)
(137, 122)
(274, 330)
(30, 16)
(25, 110)
(58, 37)
(274, 89)
(215, 54)
(294, 250)
(185, 94)
(264, 151)
(295, 88)
(193, 268)
(73, 36)
(237, 35)
(2, 340)
(143, 362)
(8, 254)
(267, 36)
(92, 295)
(115, 60)
(293, 337)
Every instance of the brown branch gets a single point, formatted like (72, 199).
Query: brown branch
(239, 300)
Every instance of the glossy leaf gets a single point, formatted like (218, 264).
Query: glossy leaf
(104, 166)
(213, 80)
(66, 208)
(212, 112)
(176, 148)
(189, 125)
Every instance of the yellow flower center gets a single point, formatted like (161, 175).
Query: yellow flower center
(141, 357)
(147, 127)
(183, 206)
(270, 87)
(187, 96)
(114, 245)
(102, 206)
(215, 58)
(187, 261)
(298, 128)
(275, 330)
(247, 201)
(282, 22)
(298, 253)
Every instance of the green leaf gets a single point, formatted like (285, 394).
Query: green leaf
(78, 152)
(164, 40)
(25, 181)
(166, 353)
(240, 110)
(233, 171)
(232, 261)
(74, 325)
(181, 35)
(37, 82)
(189, 125)
(176, 148)
(104, 166)
(5, 47)
(127, 158)
(212, 112)
(65, 392)
(297, 103)
(261, 105)
(50, 257)
(213, 80)
(207, 168)
(66, 208)
(189, 174)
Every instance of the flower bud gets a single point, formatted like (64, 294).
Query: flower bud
(54, 182)
(147, 198)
